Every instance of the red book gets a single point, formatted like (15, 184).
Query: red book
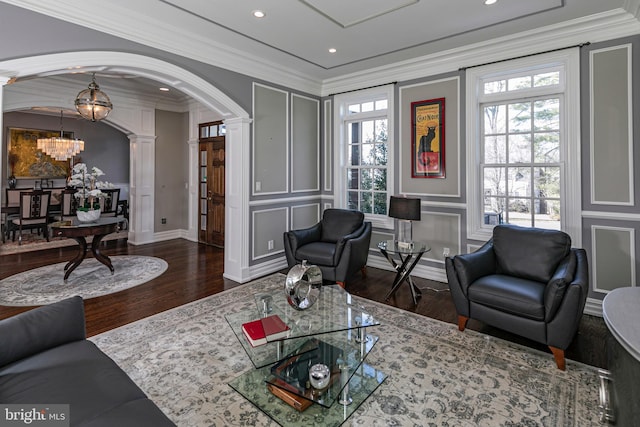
(261, 331)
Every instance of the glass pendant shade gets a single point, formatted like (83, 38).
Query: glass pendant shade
(92, 103)
(60, 147)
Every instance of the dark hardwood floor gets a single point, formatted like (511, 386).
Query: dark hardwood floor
(195, 271)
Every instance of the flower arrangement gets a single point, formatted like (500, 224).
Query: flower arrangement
(88, 185)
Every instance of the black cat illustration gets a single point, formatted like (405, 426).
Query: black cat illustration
(425, 145)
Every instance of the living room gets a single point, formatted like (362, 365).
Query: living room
(293, 192)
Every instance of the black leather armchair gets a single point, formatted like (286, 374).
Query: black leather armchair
(527, 281)
(338, 244)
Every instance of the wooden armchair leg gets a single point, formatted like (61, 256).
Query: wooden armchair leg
(558, 355)
(364, 271)
(341, 284)
(462, 322)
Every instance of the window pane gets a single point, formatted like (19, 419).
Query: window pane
(366, 179)
(368, 156)
(520, 117)
(381, 131)
(519, 149)
(354, 108)
(380, 203)
(495, 86)
(519, 83)
(495, 149)
(495, 181)
(382, 104)
(494, 119)
(520, 212)
(366, 203)
(367, 131)
(493, 210)
(367, 106)
(380, 154)
(222, 129)
(547, 214)
(520, 182)
(352, 179)
(547, 182)
(352, 200)
(547, 147)
(380, 180)
(354, 155)
(546, 79)
(547, 114)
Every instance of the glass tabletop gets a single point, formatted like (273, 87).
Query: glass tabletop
(334, 311)
(395, 247)
(74, 223)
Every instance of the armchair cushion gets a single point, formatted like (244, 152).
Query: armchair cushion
(529, 253)
(522, 297)
(318, 253)
(338, 223)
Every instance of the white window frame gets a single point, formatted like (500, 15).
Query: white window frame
(340, 117)
(571, 187)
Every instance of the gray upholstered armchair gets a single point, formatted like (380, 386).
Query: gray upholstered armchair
(338, 244)
(527, 281)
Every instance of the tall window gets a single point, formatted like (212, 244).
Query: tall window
(364, 158)
(523, 141)
(520, 146)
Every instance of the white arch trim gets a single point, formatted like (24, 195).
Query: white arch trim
(142, 178)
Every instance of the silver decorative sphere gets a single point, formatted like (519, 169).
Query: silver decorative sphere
(302, 286)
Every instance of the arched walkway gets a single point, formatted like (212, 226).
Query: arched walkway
(140, 127)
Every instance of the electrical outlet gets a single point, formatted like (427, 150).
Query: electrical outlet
(164, 220)
(445, 252)
(270, 245)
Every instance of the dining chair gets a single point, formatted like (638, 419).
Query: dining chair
(34, 213)
(10, 210)
(109, 203)
(68, 205)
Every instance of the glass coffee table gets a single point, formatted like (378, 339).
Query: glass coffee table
(333, 332)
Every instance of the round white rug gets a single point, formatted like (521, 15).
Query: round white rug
(90, 279)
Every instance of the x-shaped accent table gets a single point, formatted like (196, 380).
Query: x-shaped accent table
(409, 255)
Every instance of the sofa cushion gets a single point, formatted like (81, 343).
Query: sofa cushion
(529, 253)
(337, 223)
(35, 330)
(78, 374)
(522, 297)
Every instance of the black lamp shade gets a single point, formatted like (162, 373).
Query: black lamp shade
(404, 208)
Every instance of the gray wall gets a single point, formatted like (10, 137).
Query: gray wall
(171, 195)
(105, 147)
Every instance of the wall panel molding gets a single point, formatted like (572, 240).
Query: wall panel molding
(612, 258)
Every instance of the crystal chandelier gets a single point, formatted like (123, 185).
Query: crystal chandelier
(59, 147)
(92, 103)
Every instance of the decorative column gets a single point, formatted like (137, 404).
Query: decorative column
(3, 137)
(237, 244)
(142, 165)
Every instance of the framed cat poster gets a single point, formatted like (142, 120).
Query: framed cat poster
(427, 139)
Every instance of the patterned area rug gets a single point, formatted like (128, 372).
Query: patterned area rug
(184, 359)
(90, 279)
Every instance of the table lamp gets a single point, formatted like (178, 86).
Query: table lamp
(404, 210)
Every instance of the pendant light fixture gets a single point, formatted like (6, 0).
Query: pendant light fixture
(59, 147)
(92, 103)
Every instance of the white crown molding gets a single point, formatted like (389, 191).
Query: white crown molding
(595, 28)
(116, 20)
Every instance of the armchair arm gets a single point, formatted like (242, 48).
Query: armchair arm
(557, 285)
(293, 239)
(340, 244)
(563, 327)
(471, 267)
(40, 329)
(355, 253)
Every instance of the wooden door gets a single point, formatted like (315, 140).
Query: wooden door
(212, 183)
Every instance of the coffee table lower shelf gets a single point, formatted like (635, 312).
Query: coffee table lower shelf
(253, 386)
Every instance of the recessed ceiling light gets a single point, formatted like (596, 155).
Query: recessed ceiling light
(333, 50)
(259, 14)
(488, 2)
(164, 89)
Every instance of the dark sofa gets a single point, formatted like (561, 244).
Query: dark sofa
(46, 359)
